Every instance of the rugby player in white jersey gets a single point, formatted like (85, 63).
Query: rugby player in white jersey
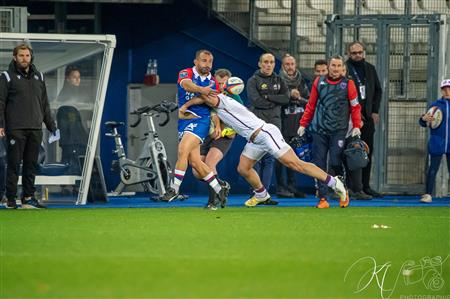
(262, 138)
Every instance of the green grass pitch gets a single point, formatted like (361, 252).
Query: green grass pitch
(231, 253)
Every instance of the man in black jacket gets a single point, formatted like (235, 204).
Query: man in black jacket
(369, 90)
(23, 107)
(267, 92)
(2, 169)
(290, 121)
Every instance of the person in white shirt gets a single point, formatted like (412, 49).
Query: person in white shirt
(262, 138)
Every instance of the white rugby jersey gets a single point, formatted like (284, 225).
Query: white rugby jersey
(237, 116)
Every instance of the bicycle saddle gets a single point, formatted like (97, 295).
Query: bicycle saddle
(114, 124)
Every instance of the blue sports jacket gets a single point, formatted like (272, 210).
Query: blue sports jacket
(439, 142)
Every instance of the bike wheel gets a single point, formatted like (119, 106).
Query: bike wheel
(166, 172)
(164, 166)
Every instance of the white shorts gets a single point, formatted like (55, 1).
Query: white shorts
(269, 140)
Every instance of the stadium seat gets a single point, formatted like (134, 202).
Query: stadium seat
(383, 7)
(267, 4)
(266, 18)
(438, 6)
(325, 6)
(303, 7)
(278, 11)
(230, 6)
(272, 33)
(397, 6)
(307, 27)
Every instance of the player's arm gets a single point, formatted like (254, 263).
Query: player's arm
(256, 98)
(355, 107)
(217, 129)
(311, 106)
(182, 114)
(190, 86)
(191, 102)
(282, 98)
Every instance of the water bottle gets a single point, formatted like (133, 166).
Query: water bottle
(155, 67)
(151, 74)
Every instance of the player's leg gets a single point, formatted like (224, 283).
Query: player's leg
(291, 160)
(218, 150)
(272, 141)
(188, 143)
(204, 149)
(205, 173)
(191, 133)
(250, 155)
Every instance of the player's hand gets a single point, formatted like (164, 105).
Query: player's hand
(207, 91)
(427, 117)
(182, 109)
(376, 118)
(356, 132)
(217, 133)
(2, 132)
(301, 131)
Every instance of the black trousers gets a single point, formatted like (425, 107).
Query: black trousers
(23, 146)
(359, 179)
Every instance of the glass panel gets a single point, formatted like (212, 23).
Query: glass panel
(71, 71)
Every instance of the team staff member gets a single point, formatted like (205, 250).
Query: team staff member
(2, 169)
(369, 90)
(23, 107)
(290, 117)
(333, 101)
(267, 92)
(320, 67)
(193, 125)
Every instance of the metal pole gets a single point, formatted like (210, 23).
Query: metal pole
(293, 45)
(407, 52)
(380, 148)
(253, 23)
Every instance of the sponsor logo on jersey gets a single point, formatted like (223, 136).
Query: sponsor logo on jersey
(183, 74)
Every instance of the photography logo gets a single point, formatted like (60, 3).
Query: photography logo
(366, 272)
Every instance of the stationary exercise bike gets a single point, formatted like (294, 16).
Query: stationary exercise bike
(151, 169)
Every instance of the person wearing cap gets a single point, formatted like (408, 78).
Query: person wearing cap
(439, 133)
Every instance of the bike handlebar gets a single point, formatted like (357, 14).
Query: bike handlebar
(163, 107)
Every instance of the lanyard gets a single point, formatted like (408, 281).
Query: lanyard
(356, 76)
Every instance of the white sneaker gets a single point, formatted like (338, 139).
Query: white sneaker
(426, 198)
(340, 190)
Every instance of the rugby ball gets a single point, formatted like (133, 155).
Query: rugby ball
(437, 117)
(234, 85)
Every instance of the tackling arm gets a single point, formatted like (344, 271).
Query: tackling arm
(182, 114)
(190, 86)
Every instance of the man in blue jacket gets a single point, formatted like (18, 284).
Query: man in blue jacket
(438, 144)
